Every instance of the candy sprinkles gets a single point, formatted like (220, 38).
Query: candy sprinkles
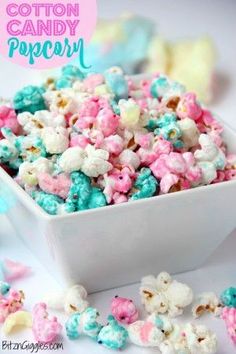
(48, 21)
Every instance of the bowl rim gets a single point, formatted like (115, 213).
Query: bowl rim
(28, 201)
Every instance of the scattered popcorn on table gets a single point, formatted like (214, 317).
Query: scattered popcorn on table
(90, 140)
(207, 302)
(45, 330)
(165, 295)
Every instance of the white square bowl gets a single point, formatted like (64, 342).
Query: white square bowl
(117, 245)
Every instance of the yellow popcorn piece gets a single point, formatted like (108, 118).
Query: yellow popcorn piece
(102, 90)
(129, 113)
(16, 321)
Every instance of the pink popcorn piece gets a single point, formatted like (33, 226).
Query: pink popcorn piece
(92, 81)
(79, 140)
(14, 270)
(116, 184)
(45, 330)
(58, 185)
(8, 119)
(206, 123)
(124, 310)
(107, 122)
(229, 316)
(11, 303)
(188, 107)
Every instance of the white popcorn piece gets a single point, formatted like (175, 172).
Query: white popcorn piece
(28, 171)
(207, 302)
(164, 295)
(63, 102)
(70, 301)
(190, 132)
(210, 159)
(210, 152)
(200, 340)
(34, 123)
(56, 140)
(72, 159)
(129, 158)
(96, 163)
(189, 339)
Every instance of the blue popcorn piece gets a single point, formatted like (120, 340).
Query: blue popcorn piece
(29, 99)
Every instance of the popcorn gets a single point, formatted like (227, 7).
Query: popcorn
(229, 316)
(124, 310)
(129, 158)
(29, 99)
(56, 140)
(189, 132)
(63, 102)
(188, 107)
(29, 171)
(146, 185)
(85, 141)
(84, 323)
(189, 339)
(112, 336)
(107, 122)
(50, 203)
(228, 297)
(199, 339)
(151, 332)
(73, 300)
(45, 330)
(96, 163)
(82, 195)
(11, 303)
(8, 119)
(207, 302)
(117, 83)
(68, 76)
(116, 184)
(129, 113)
(210, 158)
(4, 288)
(72, 159)
(176, 168)
(162, 294)
(8, 151)
(34, 123)
(57, 185)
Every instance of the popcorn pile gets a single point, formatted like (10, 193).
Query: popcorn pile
(163, 299)
(85, 141)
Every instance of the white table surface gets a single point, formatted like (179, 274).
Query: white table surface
(175, 19)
